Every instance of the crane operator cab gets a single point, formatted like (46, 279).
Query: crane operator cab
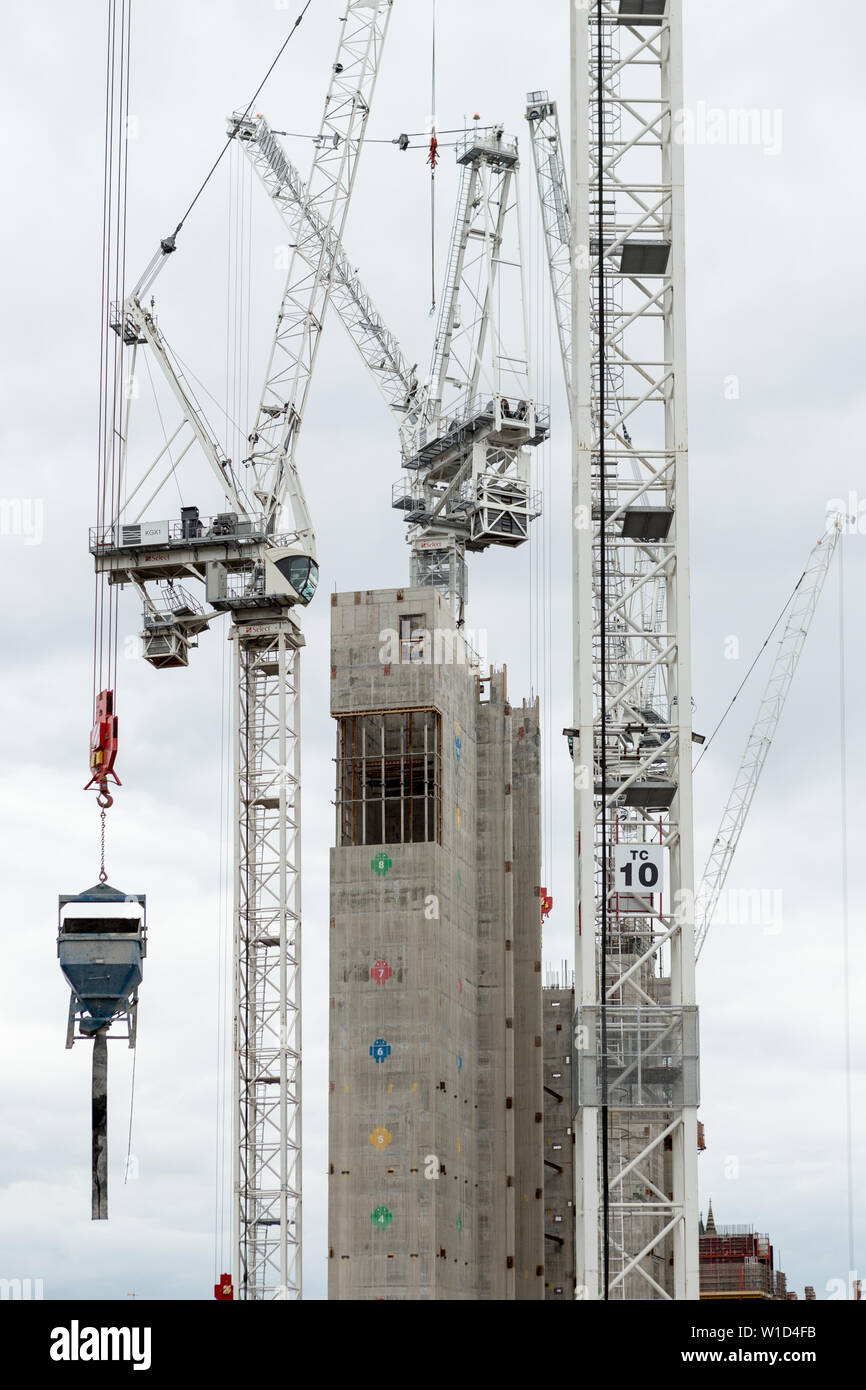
(101, 943)
(291, 573)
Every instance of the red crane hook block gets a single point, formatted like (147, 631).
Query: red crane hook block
(103, 747)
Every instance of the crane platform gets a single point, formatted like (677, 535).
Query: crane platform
(170, 549)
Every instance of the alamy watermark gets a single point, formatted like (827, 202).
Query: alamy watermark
(443, 646)
(24, 518)
(849, 514)
(737, 907)
(761, 126)
(22, 1290)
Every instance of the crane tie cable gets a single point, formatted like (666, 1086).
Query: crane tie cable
(432, 160)
(603, 587)
(167, 245)
(229, 138)
(739, 690)
(370, 140)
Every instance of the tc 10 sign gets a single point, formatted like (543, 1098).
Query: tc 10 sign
(638, 869)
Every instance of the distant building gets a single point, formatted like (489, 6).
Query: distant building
(738, 1262)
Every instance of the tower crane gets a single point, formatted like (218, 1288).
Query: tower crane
(257, 562)
(464, 434)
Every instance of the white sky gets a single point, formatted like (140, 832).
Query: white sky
(776, 298)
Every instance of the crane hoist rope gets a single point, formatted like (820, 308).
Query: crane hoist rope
(102, 932)
(433, 160)
(103, 738)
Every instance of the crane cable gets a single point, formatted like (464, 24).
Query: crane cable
(846, 975)
(540, 547)
(432, 160)
(789, 600)
(398, 140)
(232, 432)
(237, 396)
(230, 137)
(103, 742)
(168, 244)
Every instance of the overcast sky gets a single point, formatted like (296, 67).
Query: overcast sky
(775, 300)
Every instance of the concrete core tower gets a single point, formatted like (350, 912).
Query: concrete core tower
(436, 1085)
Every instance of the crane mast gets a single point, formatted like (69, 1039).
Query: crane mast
(783, 670)
(267, 1079)
(636, 1046)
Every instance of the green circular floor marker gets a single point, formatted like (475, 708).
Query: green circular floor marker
(381, 1218)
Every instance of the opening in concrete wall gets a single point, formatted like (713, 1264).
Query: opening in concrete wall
(389, 778)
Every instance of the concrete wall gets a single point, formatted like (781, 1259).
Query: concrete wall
(524, 793)
(435, 1147)
(559, 1262)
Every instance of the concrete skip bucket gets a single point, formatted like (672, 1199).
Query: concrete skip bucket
(101, 943)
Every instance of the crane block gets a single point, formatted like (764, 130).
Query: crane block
(103, 742)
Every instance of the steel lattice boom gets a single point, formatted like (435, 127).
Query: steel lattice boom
(464, 433)
(784, 668)
(305, 301)
(552, 183)
(379, 348)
